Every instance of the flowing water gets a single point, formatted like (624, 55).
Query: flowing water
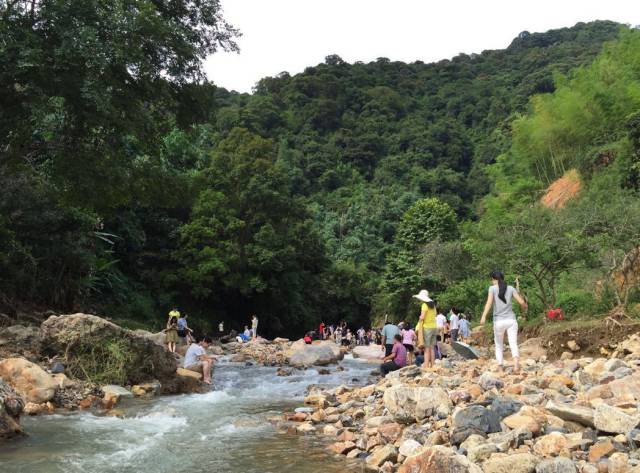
(225, 430)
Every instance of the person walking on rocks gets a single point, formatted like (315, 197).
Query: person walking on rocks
(254, 326)
(184, 332)
(500, 296)
(427, 329)
(455, 324)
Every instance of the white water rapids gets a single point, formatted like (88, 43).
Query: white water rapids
(225, 430)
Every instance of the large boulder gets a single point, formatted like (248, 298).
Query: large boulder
(160, 338)
(11, 406)
(316, 354)
(408, 404)
(32, 382)
(368, 352)
(438, 459)
(21, 338)
(89, 342)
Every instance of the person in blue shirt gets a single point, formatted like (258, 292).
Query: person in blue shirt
(389, 331)
(465, 329)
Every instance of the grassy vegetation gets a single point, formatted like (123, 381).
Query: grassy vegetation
(111, 362)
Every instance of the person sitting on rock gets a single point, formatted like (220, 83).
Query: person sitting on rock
(196, 359)
(397, 359)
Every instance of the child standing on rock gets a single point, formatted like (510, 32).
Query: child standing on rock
(171, 333)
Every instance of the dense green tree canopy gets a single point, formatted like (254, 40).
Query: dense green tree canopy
(129, 184)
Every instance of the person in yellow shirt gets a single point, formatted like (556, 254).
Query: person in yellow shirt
(427, 329)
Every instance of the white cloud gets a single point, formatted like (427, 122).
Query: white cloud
(289, 35)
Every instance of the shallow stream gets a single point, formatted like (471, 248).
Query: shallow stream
(225, 430)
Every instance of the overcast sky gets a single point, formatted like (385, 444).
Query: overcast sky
(289, 35)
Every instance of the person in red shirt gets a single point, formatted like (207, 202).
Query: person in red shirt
(321, 331)
(555, 314)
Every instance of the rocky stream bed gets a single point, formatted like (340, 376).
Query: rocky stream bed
(282, 406)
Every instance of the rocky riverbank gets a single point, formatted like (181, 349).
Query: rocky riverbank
(570, 415)
(60, 365)
(81, 361)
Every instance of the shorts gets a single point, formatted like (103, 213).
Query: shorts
(409, 347)
(430, 335)
(197, 367)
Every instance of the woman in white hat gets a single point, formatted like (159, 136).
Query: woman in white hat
(427, 330)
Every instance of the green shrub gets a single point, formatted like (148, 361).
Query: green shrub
(110, 362)
(577, 302)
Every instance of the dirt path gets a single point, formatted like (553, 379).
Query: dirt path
(594, 337)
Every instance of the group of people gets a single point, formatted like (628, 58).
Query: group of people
(196, 358)
(249, 333)
(343, 335)
(399, 342)
(402, 344)
(177, 330)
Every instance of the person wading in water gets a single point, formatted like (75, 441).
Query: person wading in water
(504, 319)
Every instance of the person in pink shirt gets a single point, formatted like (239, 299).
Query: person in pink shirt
(397, 359)
(408, 340)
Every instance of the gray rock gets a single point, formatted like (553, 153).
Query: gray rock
(438, 459)
(409, 447)
(11, 406)
(613, 420)
(514, 463)
(115, 390)
(504, 407)
(481, 452)
(580, 414)
(556, 465)
(407, 404)
(487, 381)
(473, 420)
(377, 421)
(510, 440)
(21, 338)
(613, 364)
(381, 455)
(622, 372)
(478, 417)
(313, 355)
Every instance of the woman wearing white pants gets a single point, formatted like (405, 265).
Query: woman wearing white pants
(504, 319)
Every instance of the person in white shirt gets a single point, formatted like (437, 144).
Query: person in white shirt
(455, 324)
(196, 359)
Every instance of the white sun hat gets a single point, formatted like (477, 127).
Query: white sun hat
(423, 295)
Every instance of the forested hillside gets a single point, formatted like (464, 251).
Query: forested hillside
(128, 184)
